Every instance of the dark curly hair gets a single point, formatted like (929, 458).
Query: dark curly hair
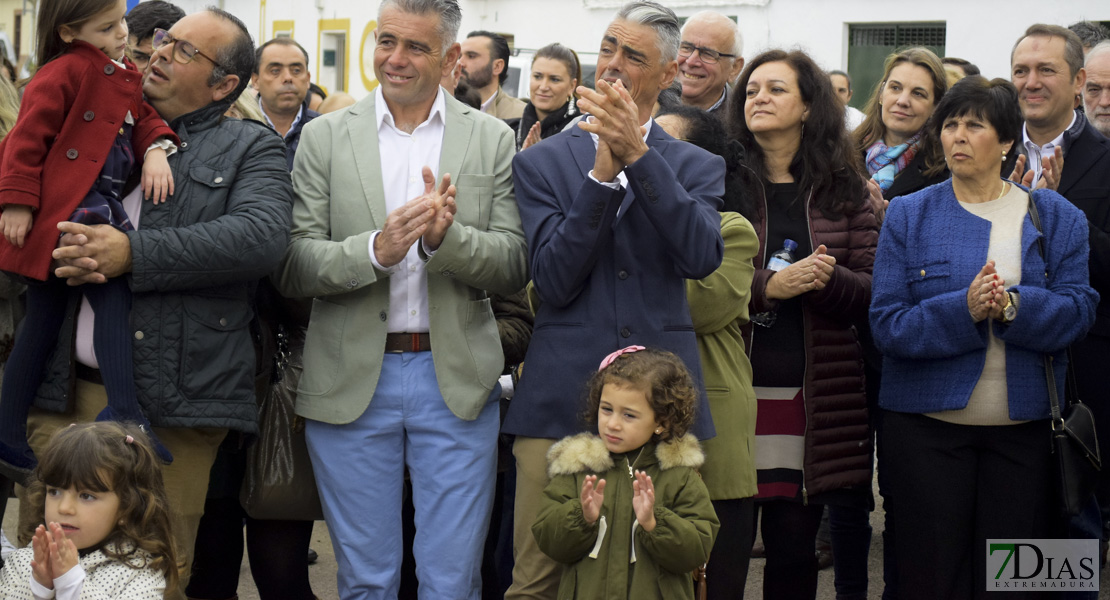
(97, 457)
(663, 377)
(826, 163)
(706, 131)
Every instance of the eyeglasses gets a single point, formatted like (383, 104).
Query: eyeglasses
(708, 55)
(183, 52)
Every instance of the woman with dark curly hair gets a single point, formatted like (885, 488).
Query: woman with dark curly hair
(812, 436)
(966, 307)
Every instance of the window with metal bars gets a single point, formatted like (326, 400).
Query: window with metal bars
(869, 44)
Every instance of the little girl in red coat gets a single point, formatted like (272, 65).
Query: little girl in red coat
(68, 158)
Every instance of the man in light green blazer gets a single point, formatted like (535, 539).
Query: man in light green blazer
(402, 353)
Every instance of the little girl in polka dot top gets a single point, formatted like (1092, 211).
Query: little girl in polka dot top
(105, 530)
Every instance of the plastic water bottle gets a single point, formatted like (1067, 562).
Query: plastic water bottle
(781, 259)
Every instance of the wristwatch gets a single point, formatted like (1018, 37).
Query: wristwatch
(1010, 312)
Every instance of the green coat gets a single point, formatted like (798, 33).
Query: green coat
(719, 307)
(625, 562)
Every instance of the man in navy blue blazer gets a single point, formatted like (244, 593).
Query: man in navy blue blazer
(617, 214)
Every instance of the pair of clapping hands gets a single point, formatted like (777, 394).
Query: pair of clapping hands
(427, 216)
(614, 117)
(643, 499)
(54, 554)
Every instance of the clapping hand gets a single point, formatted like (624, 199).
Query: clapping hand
(63, 553)
(591, 498)
(878, 203)
(443, 201)
(643, 500)
(42, 569)
(1051, 168)
(533, 136)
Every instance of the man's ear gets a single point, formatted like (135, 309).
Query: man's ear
(224, 88)
(669, 73)
(498, 67)
(1080, 80)
(737, 67)
(450, 59)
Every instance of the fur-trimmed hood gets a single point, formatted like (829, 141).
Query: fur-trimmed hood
(587, 452)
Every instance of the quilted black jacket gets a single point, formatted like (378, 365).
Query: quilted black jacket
(196, 259)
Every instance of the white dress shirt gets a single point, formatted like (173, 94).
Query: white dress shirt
(403, 156)
(1037, 153)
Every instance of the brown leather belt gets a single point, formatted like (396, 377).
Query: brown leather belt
(408, 342)
(87, 373)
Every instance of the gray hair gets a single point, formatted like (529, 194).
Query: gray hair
(714, 16)
(661, 19)
(450, 15)
(1099, 48)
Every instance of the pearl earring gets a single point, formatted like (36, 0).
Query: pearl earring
(658, 430)
(1003, 157)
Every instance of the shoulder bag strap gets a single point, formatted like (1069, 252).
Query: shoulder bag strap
(1050, 375)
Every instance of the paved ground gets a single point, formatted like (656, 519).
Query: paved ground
(322, 573)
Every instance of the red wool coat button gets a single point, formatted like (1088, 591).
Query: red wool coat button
(109, 69)
(89, 115)
(71, 154)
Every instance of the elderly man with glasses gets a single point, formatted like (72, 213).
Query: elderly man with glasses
(709, 59)
(192, 263)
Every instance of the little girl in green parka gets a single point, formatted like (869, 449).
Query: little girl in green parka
(626, 510)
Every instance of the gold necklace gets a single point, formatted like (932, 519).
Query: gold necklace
(630, 474)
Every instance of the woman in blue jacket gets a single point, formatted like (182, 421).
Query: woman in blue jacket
(964, 309)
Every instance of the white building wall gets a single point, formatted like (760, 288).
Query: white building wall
(982, 31)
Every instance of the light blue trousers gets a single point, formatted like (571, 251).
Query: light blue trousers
(360, 468)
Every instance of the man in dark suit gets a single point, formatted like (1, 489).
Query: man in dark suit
(1047, 69)
(617, 215)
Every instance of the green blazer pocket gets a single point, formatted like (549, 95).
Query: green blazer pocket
(474, 198)
(323, 346)
(484, 342)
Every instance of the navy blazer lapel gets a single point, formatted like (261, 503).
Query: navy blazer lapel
(1082, 156)
(582, 149)
(657, 140)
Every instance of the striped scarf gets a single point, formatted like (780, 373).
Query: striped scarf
(885, 162)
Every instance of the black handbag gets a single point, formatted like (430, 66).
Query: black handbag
(1074, 439)
(279, 483)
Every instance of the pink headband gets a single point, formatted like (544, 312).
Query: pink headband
(608, 360)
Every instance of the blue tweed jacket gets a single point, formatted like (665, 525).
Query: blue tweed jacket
(929, 251)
